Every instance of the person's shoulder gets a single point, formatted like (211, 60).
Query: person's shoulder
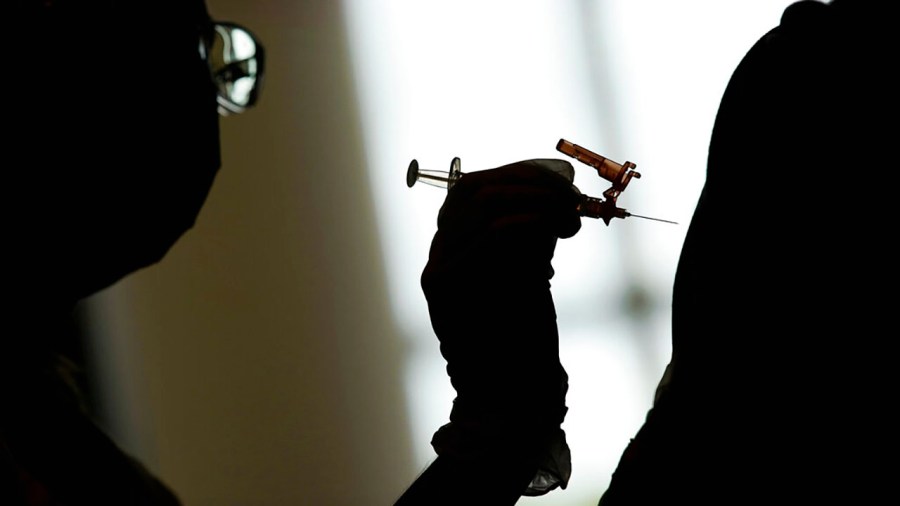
(841, 28)
(808, 32)
(807, 18)
(801, 35)
(806, 12)
(856, 18)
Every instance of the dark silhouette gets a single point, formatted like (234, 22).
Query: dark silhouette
(111, 145)
(778, 384)
(488, 292)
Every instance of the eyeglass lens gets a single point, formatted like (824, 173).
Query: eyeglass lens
(236, 61)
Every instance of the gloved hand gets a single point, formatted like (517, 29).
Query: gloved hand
(487, 283)
(488, 290)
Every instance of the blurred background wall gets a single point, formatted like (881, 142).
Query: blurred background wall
(281, 353)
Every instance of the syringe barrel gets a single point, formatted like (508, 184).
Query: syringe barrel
(437, 178)
(590, 207)
(434, 177)
(593, 207)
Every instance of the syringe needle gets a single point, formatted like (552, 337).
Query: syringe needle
(649, 218)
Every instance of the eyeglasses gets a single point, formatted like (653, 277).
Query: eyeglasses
(236, 62)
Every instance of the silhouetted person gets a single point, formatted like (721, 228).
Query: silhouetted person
(778, 385)
(111, 141)
(488, 292)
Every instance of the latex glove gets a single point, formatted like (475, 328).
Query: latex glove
(488, 290)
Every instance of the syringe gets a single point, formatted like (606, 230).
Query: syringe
(590, 207)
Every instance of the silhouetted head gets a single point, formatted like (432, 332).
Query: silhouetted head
(113, 137)
(114, 81)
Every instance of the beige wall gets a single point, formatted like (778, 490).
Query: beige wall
(257, 364)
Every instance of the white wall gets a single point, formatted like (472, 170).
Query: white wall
(280, 354)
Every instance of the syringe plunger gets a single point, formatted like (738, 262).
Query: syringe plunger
(437, 178)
